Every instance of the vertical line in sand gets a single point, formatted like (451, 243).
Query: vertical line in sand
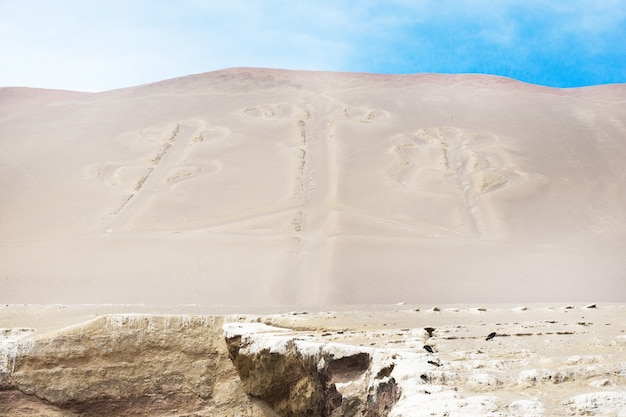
(331, 213)
(319, 215)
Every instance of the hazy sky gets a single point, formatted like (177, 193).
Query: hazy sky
(95, 45)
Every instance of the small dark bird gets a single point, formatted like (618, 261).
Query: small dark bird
(430, 331)
(491, 336)
(429, 349)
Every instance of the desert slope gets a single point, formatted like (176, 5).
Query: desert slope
(251, 186)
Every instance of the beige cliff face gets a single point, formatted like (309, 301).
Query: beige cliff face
(255, 186)
(125, 365)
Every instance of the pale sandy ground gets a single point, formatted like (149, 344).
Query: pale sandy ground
(265, 187)
(546, 360)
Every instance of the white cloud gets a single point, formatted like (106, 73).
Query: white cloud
(101, 45)
(98, 44)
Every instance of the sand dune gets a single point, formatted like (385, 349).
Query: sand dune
(250, 186)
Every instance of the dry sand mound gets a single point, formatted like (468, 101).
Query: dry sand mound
(252, 186)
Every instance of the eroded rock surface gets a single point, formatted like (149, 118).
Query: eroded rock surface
(124, 365)
(134, 365)
(302, 377)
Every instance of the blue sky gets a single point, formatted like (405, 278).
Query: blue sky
(95, 45)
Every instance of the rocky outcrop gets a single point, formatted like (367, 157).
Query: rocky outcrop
(299, 377)
(288, 382)
(136, 365)
(124, 365)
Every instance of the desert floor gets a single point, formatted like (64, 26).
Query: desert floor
(544, 359)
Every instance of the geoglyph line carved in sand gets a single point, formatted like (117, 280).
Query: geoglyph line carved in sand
(363, 114)
(303, 180)
(447, 161)
(457, 162)
(167, 167)
(194, 151)
(323, 209)
(277, 111)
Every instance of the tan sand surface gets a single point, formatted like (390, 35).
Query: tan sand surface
(261, 187)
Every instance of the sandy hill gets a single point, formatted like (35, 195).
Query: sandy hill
(254, 186)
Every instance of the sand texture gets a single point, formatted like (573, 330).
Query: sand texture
(253, 186)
